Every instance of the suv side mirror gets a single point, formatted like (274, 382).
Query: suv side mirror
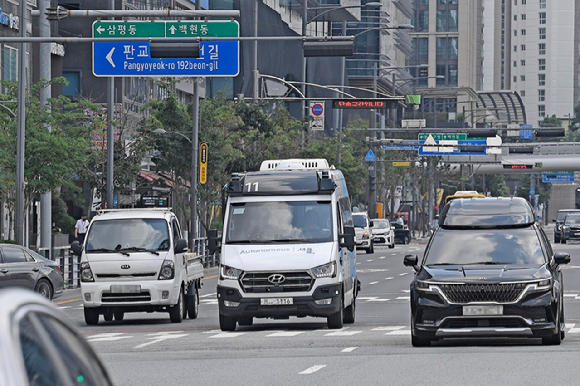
(181, 246)
(213, 241)
(76, 248)
(347, 239)
(411, 261)
(561, 258)
(553, 220)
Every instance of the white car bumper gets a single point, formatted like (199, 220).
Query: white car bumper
(137, 293)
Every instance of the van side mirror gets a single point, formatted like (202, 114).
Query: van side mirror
(561, 258)
(411, 261)
(346, 240)
(213, 241)
(181, 246)
(76, 248)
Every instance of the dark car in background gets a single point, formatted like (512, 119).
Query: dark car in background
(570, 229)
(402, 233)
(21, 267)
(559, 220)
(488, 271)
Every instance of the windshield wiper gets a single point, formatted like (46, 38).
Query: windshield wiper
(488, 263)
(107, 251)
(138, 249)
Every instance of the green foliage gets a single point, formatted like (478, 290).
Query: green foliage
(541, 188)
(552, 121)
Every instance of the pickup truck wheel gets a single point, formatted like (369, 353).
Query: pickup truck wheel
(349, 312)
(176, 312)
(335, 321)
(119, 315)
(108, 316)
(192, 302)
(91, 316)
(227, 323)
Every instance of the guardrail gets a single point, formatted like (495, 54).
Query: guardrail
(69, 264)
(200, 247)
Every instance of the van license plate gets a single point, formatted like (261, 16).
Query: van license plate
(482, 310)
(276, 301)
(125, 289)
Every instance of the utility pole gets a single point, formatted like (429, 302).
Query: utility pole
(110, 139)
(194, 160)
(20, 136)
(303, 87)
(45, 69)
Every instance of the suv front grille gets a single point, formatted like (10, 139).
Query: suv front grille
(467, 293)
(257, 282)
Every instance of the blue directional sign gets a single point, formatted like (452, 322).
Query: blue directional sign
(400, 147)
(527, 134)
(465, 150)
(558, 177)
(370, 157)
(133, 58)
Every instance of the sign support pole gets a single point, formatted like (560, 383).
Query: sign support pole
(110, 139)
(194, 144)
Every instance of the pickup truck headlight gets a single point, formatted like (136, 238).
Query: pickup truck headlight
(326, 270)
(365, 235)
(86, 273)
(230, 273)
(167, 270)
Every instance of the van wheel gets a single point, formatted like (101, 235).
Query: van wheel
(335, 321)
(119, 315)
(108, 316)
(227, 323)
(91, 316)
(177, 311)
(192, 302)
(349, 312)
(563, 241)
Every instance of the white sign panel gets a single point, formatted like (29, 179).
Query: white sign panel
(316, 115)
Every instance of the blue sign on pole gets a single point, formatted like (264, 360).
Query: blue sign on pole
(460, 151)
(370, 157)
(216, 58)
(558, 177)
(526, 134)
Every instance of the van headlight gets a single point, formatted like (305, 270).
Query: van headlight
(86, 273)
(230, 273)
(326, 270)
(167, 270)
(365, 235)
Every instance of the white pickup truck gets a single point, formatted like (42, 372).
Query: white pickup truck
(134, 260)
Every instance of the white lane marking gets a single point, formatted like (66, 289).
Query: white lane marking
(349, 349)
(393, 254)
(343, 333)
(368, 261)
(108, 337)
(575, 330)
(388, 328)
(389, 278)
(208, 295)
(378, 300)
(208, 301)
(284, 334)
(312, 369)
(403, 274)
(406, 291)
(64, 307)
(374, 282)
(399, 332)
(367, 297)
(225, 335)
(160, 337)
(212, 332)
(403, 298)
(570, 325)
(383, 257)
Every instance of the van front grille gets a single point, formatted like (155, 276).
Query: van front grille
(268, 282)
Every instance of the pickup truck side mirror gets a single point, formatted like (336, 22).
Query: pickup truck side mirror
(347, 239)
(213, 241)
(181, 246)
(561, 258)
(76, 248)
(411, 261)
(371, 223)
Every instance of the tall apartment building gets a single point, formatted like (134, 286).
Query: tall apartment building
(531, 47)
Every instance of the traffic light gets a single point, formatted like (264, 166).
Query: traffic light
(372, 183)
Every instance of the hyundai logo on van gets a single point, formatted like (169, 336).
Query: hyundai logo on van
(125, 266)
(276, 278)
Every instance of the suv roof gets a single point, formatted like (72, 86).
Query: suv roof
(488, 212)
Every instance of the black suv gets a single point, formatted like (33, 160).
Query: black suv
(560, 217)
(488, 271)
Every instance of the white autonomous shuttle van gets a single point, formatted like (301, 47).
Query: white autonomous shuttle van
(288, 245)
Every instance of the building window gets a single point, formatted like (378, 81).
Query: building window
(420, 51)
(523, 93)
(74, 83)
(542, 48)
(515, 48)
(515, 63)
(542, 4)
(542, 32)
(523, 32)
(523, 16)
(524, 2)
(523, 47)
(541, 79)
(523, 78)
(515, 17)
(423, 21)
(541, 64)
(522, 62)
(10, 64)
(515, 32)
(515, 79)
(541, 95)
(541, 110)
(447, 48)
(447, 20)
(542, 17)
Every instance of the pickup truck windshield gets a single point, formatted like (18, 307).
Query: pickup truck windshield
(280, 222)
(128, 235)
(485, 246)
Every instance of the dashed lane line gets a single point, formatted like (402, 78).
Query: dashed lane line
(312, 369)
(349, 349)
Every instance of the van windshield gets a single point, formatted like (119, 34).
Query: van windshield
(359, 221)
(279, 222)
(127, 234)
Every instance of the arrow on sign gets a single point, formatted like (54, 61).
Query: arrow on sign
(100, 29)
(172, 29)
(110, 57)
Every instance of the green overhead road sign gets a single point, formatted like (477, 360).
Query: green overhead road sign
(164, 29)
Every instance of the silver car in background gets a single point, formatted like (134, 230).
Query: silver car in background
(40, 346)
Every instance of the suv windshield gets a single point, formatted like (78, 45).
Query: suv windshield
(572, 220)
(128, 234)
(563, 213)
(359, 221)
(278, 222)
(485, 246)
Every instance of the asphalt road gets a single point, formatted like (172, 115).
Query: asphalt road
(146, 349)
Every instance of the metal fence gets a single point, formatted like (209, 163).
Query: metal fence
(200, 247)
(69, 264)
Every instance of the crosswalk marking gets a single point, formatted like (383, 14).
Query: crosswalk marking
(108, 337)
(161, 336)
(349, 349)
(312, 369)
(226, 335)
(208, 295)
(285, 334)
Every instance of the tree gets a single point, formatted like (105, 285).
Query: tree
(551, 122)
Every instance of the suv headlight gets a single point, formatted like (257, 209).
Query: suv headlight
(86, 273)
(559, 227)
(421, 285)
(167, 270)
(544, 284)
(326, 270)
(230, 273)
